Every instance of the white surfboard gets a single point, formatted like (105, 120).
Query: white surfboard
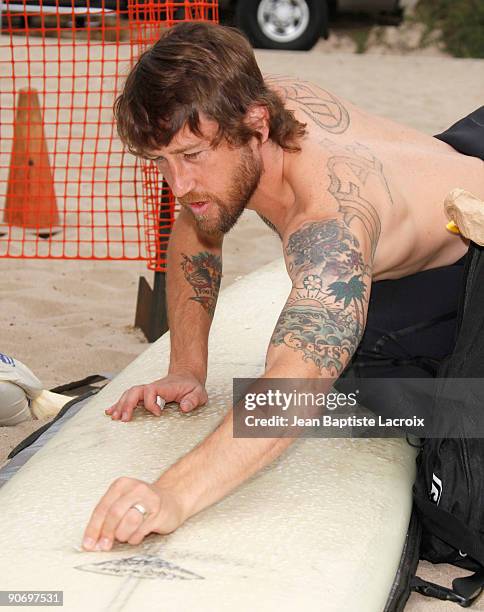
(322, 528)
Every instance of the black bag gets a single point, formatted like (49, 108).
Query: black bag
(449, 489)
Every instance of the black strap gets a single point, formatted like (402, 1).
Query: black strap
(452, 530)
(31, 438)
(464, 592)
(81, 386)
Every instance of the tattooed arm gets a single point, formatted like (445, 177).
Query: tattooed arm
(193, 280)
(323, 320)
(316, 334)
(194, 272)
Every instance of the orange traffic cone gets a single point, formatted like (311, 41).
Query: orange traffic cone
(31, 201)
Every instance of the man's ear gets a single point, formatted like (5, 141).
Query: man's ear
(257, 118)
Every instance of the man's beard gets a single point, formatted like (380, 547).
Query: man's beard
(244, 182)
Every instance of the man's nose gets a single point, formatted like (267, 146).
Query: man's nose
(180, 181)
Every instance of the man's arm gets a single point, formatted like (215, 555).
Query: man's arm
(193, 280)
(323, 320)
(316, 335)
(194, 272)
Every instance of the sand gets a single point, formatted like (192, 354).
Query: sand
(69, 319)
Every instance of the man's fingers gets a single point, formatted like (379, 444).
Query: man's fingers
(126, 404)
(134, 397)
(129, 525)
(189, 397)
(149, 400)
(138, 536)
(134, 526)
(146, 527)
(122, 520)
(192, 400)
(98, 516)
(114, 409)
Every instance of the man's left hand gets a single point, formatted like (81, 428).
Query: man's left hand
(115, 518)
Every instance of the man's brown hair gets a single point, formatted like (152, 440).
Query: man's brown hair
(199, 68)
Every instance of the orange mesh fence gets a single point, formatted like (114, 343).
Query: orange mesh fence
(67, 188)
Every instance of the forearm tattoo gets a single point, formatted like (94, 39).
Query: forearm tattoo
(356, 175)
(319, 105)
(324, 317)
(204, 273)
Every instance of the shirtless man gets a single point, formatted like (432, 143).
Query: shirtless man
(356, 199)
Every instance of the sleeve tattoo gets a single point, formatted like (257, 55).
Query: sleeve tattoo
(203, 272)
(324, 317)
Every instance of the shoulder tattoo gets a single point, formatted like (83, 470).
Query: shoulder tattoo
(319, 105)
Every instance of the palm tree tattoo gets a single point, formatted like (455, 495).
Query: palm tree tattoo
(324, 317)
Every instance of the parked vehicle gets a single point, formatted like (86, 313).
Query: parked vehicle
(295, 24)
(270, 24)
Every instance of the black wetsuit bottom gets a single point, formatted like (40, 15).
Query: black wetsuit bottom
(411, 324)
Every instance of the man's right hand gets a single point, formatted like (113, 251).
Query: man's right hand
(184, 388)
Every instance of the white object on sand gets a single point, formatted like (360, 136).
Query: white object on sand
(18, 385)
(14, 405)
(48, 404)
(14, 371)
(323, 527)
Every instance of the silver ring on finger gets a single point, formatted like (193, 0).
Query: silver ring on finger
(144, 512)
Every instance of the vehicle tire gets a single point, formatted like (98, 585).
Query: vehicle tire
(282, 24)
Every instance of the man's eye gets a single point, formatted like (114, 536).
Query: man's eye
(192, 155)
